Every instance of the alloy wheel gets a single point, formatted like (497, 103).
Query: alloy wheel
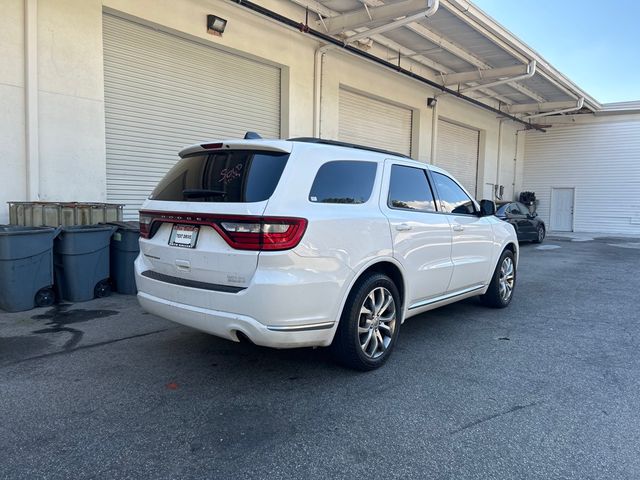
(507, 279)
(377, 322)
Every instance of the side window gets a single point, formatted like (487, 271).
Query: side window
(409, 189)
(452, 197)
(523, 210)
(516, 210)
(343, 182)
(503, 209)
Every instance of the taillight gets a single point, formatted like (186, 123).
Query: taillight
(263, 233)
(240, 232)
(145, 224)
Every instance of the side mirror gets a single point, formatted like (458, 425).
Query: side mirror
(487, 208)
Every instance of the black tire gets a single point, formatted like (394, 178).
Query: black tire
(495, 297)
(541, 234)
(102, 289)
(347, 346)
(45, 297)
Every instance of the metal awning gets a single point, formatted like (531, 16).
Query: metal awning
(459, 46)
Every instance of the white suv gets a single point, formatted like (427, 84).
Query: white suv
(307, 242)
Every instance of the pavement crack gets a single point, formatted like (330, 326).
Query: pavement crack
(486, 418)
(83, 347)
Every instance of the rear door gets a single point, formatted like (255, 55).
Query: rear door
(421, 236)
(201, 205)
(472, 236)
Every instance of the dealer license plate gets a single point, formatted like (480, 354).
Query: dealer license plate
(184, 236)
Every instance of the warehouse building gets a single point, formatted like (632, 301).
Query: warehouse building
(98, 96)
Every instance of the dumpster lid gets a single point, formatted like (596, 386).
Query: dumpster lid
(86, 228)
(19, 230)
(131, 225)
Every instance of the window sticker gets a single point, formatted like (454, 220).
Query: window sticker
(229, 174)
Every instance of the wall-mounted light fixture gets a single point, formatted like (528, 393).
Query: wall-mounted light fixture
(216, 25)
(431, 102)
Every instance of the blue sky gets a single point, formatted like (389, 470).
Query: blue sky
(595, 44)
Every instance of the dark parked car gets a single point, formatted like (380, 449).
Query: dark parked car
(528, 225)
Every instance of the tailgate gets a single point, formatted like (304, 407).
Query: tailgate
(201, 254)
(183, 216)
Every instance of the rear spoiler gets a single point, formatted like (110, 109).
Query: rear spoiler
(281, 146)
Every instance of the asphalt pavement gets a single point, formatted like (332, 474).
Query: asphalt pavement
(547, 388)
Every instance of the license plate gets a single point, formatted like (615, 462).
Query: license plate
(184, 236)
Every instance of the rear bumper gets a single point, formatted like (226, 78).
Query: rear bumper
(280, 308)
(228, 325)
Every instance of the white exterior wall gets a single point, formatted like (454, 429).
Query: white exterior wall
(69, 139)
(13, 182)
(600, 158)
(71, 90)
(71, 101)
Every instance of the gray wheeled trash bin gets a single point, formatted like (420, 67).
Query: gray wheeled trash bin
(81, 259)
(124, 250)
(26, 267)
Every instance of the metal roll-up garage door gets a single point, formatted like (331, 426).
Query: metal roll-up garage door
(163, 92)
(365, 121)
(457, 152)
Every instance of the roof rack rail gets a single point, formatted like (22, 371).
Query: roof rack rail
(345, 144)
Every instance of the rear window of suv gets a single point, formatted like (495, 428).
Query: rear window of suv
(343, 181)
(236, 176)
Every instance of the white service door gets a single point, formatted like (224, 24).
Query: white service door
(562, 209)
(373, 123)
(457, 152)
(164, 92)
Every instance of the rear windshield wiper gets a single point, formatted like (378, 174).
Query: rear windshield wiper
(198, 193)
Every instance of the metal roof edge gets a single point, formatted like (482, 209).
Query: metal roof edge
(502, 34)
(621, 107)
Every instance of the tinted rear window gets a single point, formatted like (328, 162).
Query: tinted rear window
(343, 181)
(232, 176)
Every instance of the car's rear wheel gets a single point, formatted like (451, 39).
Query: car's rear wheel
(503, 282)
(541, 234)
(369, 325)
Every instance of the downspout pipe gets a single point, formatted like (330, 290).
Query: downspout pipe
(531, 71)
(318, 58)
(32, 158)
(353, 50)
(498, 161)
(578, 106)
(434, 134)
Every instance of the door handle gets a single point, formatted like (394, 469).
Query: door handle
(184, 265)
(402, 227)
(458, 228)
